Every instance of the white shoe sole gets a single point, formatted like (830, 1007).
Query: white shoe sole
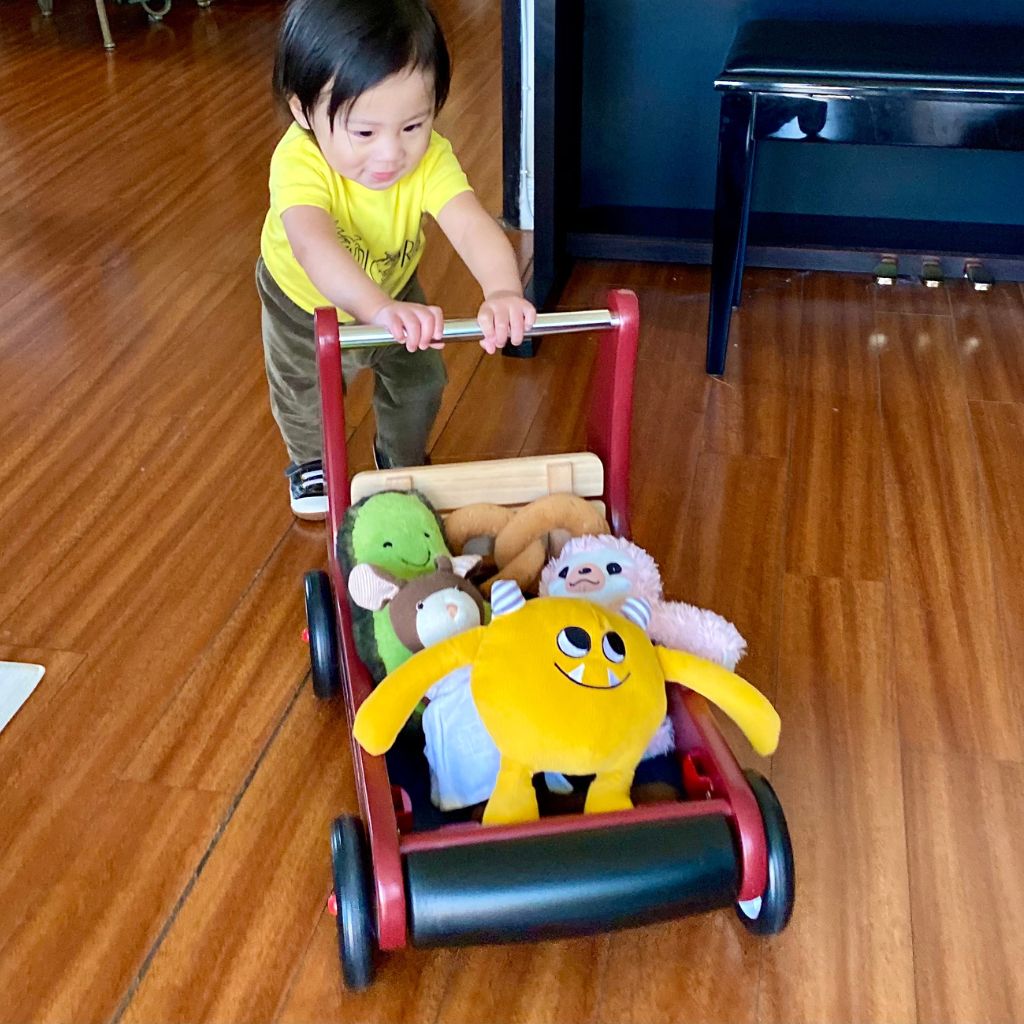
(309, 508)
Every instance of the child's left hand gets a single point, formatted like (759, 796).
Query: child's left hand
(504, 317)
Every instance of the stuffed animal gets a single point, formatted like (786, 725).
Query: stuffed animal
(586, 694)
(609, 570)
(462, 756)
(400, 534)
(518, 541)
(425, 609)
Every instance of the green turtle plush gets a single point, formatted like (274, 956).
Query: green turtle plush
(401, 533)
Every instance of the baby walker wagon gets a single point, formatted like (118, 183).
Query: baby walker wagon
(723, 842)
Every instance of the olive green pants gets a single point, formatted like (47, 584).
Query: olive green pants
(407, 385)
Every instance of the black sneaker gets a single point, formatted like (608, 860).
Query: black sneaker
(308, 490)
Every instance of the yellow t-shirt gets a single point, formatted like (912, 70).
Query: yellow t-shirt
(383, 230)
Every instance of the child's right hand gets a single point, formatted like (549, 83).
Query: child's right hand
(417, 327)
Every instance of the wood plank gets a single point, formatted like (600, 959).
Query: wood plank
(966, 861)
(673, 973)
(727, 553)
(836, 352)
(78, 923)
(955, 691)
(536, 983)
(214, 726)
(503, 482)
(838, 775)
(999, 433)
(835, 523)
(989, 329)
(263, 887)
(409, 989)
(764, 330)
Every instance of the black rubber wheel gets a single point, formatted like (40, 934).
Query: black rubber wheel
(323, 635)
(770, 913)
(352, 892)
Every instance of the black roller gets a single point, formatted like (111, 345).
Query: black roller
(574, 883)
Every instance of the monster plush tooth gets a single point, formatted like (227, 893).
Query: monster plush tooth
(613, 680)
(576, 675)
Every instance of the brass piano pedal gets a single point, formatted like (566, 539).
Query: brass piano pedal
(979, 275)
(887, 270)
(931, 273)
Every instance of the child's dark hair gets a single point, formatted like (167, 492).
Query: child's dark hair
(356, 44)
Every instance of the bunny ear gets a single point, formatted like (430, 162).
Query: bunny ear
(462, 565)
(506, 597)
(638, 611)
(371, 588)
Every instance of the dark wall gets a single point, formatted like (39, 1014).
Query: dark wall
(650, 119)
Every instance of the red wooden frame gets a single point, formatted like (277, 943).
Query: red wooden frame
(609, 420)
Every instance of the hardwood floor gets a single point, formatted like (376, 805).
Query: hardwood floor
(850, 495)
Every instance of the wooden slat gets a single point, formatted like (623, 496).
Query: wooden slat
(835, 522)
(263, 886)
(955, 690)
(675, 972)
(966, 862)
(836, 350)
(999, 434)
(500, 481)
(213, 727)
(838, 774)
(989, 330)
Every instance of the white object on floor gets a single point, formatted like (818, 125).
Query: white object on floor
(17, 681)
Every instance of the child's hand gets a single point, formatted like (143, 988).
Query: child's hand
(416, 326)
(504, 317)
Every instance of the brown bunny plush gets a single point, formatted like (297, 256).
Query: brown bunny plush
(518, 542)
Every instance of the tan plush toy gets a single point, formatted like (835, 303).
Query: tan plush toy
(518, 542)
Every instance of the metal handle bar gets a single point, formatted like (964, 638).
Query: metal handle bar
(361, 336)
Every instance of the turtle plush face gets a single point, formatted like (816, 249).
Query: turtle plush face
(399, 533)
(568, 686)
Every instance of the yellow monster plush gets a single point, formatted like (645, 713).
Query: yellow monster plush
(562, 685)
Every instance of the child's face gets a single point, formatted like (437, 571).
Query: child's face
(384, 133)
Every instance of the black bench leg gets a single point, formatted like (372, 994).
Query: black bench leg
(734, 156)
(748, 189)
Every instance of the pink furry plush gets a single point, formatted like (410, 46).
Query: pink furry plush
(607, 570)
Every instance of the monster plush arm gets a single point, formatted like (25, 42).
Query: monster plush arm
(381, 716)
(744, 704)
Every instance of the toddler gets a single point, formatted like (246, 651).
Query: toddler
(350, 182)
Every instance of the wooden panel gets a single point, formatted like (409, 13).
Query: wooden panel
(674, 972)
(838, 339)
(212, 730)
(409, 988)
(999, 432)
(539, 983)
(726, 554)
(966, 862)
(765, 329)
(79, 921)
(989, 331)
(835, 523)
(747, 420)
(263, 887)
(502, 481)
(838, 774)
(955, 692)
